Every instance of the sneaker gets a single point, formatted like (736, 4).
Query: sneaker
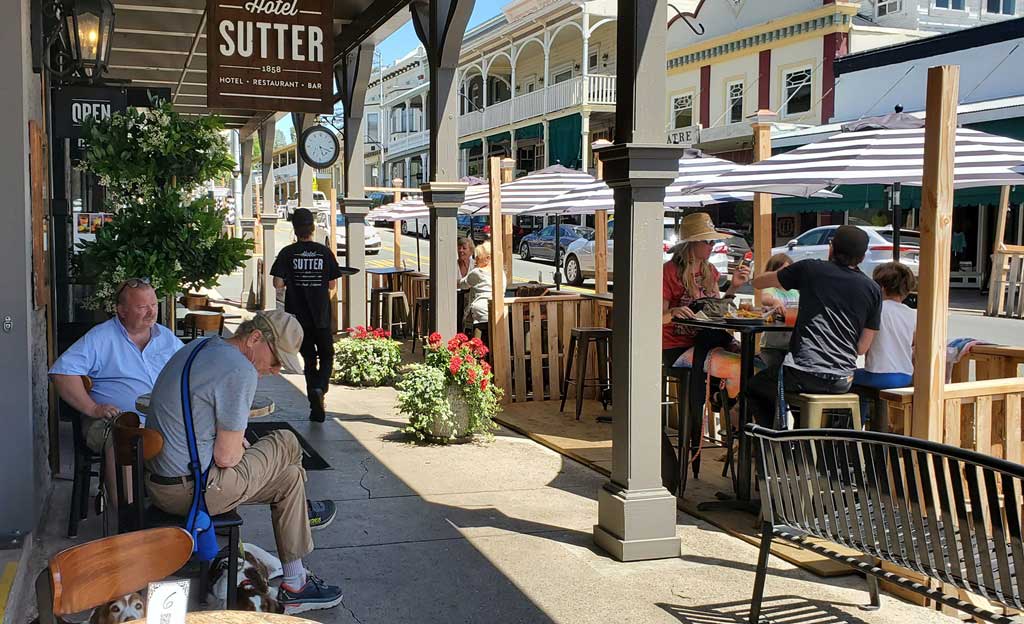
(315, 594)
(317, 413)
(321, 513)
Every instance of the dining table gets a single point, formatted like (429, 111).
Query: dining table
(390, 272)
(237, 617)
(748, 330)
(261, 405)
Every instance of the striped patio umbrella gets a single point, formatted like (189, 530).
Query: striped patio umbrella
(535, 188)
(414, 208)
(874, 156)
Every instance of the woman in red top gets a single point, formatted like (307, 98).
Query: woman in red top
(689, 276)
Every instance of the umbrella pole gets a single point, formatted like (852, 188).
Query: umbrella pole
(418, 251)
(897, 220)
(558, 267)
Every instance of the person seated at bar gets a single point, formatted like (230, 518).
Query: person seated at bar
(889, 363)
(839, 315)
(477, 284)
(465, 248)
(687, 277)
(221, 387)
(123, 357)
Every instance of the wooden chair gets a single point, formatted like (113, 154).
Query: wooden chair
(86, 462)
(133, 446)
(92, 574)
(199, 324)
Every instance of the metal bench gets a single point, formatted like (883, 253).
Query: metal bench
(944, 512)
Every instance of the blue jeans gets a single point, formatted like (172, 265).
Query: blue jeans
(881, 381)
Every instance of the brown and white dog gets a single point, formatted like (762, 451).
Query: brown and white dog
(124, 609)
(254, 573)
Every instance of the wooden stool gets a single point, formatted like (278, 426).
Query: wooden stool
(390, 318)
(420, 321)
(602, 339)
(813, 407)
(376, 303)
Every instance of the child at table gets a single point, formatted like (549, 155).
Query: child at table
(889, 363)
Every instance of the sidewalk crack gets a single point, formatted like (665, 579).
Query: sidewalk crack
(350, 611)
(366, 473)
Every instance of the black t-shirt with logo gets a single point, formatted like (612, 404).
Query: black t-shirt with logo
(837, 304)
(307, 268)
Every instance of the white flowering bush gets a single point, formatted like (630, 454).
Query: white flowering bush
(366, 357)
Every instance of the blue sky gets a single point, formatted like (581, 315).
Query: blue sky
(403, 40)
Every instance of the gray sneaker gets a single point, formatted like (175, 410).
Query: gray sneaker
(315, 594)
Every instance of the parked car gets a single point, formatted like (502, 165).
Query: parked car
(738, 248)
(814, 244)
(579, 256)
(541, 245)
(418, 227)
(320, 203)
(371, 238)
(481, 227)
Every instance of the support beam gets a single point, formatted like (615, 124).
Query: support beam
(305, 172)
(247, 220)
(636, 514)
(443, 199)
(936, 246)
(355, 210)
(498, 334)
(396, 225)
(508, 172)
(332, 233)
(261, 284)
(763, 230)
(268, 293)
(600, 229)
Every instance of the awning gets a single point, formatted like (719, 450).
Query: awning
(534, 131)
(475, 143)
(565, 141)
(501, 137)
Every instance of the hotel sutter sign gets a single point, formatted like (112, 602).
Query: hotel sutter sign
(270, 55)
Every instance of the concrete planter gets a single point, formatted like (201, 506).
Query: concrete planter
(454, 432)
(193, 301)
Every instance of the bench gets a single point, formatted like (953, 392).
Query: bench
(944, 512)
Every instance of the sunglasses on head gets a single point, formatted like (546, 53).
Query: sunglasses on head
(135, 282)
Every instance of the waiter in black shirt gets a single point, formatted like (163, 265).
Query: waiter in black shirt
(308, 271)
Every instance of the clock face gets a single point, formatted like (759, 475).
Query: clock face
(320, 147)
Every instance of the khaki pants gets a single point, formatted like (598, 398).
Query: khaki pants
(270, 472)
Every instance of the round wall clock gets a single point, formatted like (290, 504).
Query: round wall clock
(319, 147)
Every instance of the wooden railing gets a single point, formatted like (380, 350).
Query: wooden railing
(1006, 286)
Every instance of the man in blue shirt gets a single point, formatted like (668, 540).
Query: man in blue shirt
(122, 357)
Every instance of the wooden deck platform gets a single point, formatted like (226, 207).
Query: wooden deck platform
(589, 442)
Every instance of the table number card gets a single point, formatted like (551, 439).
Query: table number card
(167, 602)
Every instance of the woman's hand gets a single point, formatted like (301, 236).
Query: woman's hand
(739, 279)
(682, 312)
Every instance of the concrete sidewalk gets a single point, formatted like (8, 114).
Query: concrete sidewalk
(502, 532)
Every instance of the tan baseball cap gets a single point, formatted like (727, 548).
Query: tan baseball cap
(284, 334)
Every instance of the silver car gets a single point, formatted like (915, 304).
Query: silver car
(815, 243)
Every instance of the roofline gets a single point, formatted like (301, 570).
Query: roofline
(932, 46)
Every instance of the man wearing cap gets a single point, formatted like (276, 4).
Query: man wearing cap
(222, 385)
(839, 315)
(308, 271)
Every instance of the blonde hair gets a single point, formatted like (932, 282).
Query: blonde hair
(483, 250)
(694, 273)
(778, 261)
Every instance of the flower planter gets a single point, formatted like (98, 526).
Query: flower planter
(193, 301)
(453, 432)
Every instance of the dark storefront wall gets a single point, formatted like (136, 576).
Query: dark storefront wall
(565, 141)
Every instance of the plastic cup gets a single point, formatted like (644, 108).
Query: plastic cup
(791, 314)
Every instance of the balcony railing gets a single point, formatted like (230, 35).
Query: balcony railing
(600, 89)
(409, 141)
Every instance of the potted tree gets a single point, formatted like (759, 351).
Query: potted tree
(152, 163)
(451, 396)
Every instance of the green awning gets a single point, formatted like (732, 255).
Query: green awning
(535, 131)
(501, 137)
(565, 141)
(471, 144)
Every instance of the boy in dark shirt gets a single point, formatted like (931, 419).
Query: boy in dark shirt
(839, 315)
(309, 272)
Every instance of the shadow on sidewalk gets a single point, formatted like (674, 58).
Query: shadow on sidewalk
(788, 609)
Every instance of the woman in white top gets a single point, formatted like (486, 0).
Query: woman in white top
(889, 363)
(478, 282)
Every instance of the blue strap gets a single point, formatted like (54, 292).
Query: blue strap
(198, 522)
(780, 415)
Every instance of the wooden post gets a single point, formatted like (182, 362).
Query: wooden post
(995, 281)
(763, 230)
(332, 231)
(507, 172)
(498, 320)
(600, 234)
(936, 244)
(397, 225)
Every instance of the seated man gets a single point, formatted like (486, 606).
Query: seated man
(222, 385)
(122, 356)
(840, 313)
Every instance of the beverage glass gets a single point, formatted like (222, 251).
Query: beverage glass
(791, 314)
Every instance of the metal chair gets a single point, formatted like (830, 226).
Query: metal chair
(579, 345)
(86, 463)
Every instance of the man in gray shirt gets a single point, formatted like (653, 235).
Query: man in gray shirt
(222, 385)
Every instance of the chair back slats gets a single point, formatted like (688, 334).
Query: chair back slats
(949, 513)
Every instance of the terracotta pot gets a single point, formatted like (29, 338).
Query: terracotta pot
(192, 301)
(452, 433)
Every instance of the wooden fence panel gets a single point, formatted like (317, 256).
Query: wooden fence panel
(518, 351)
(554, 313)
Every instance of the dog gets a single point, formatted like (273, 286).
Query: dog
(255, 569)
(124, 609)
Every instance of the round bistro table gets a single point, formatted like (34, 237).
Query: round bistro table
(261, 406)
(237, 617)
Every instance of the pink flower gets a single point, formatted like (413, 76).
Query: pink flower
(483, 384)
(486, 367)
(434, 338)
(472, 375)
(455, 365)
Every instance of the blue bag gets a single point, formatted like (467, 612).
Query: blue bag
(198, 522)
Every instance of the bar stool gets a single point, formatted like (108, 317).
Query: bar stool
(602, 339)
(390, 316)
(376, 304)
(420, 321)
(813, 407)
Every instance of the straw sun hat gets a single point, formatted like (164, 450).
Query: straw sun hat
(697, 226)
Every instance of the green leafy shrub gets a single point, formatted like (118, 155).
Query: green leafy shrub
(452, 394)
(367, 357)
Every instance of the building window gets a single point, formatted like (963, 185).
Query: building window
(797, 94)
(1004, 7)
(373, 126)
(888, 7)
(592, 59)
(682, 111)
(562, 76)
(956, 5)
(734, 102)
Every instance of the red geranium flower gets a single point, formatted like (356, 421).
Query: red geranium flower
(455, 365)
(472, 375)
(434, 338)
(483, 384)
(486, 367)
